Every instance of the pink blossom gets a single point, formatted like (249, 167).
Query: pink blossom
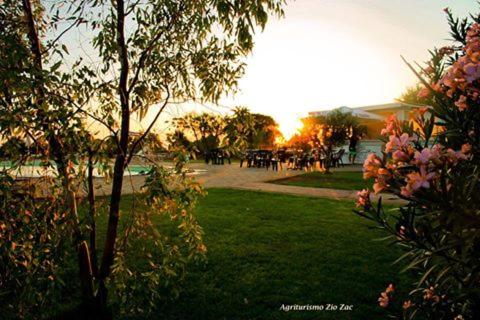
(466, 148)
(406, 191)
(461, 103)
(423, 93)
(424, 156)
(381, 181)
(420, 179)
(391, 125)
(390, 288)
(379, 186)
(407, 304)
(451, 156)
(395, 143)
(363, 198)
(400, 156)
(371, 166)
(472, 72)
(383, 300)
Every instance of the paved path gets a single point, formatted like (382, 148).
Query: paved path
(316, 192)
(232, 176)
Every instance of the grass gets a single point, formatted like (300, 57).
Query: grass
(265, 250)
(345, 180)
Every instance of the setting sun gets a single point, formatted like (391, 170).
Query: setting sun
(289, 126)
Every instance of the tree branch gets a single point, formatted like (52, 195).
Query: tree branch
(139, 140)
(146, 52)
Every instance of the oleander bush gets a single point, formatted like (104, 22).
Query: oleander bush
(433, 163)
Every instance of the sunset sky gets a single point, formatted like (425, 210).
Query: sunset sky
(329, 53)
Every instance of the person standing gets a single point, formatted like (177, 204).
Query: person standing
(352, 148)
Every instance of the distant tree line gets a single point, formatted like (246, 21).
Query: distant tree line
(242, 130)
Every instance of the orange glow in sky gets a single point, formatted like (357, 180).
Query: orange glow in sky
(329, 53)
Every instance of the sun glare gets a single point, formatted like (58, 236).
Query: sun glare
(289, 126)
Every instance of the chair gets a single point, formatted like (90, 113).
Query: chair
(337, 158)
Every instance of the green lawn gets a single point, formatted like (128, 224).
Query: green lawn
(265, 250)
(346, 180)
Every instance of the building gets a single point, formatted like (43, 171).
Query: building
(373, 118)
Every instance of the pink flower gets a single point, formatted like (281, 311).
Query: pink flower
(396, 143)
(423, 93)
(400, 156)
(379, 186)
(390, 288)
(461, 103)
(383, 300)
(363, 198)
(451, 156)
(383, 175)
(391, 125)
(407, 304)
(426, 155)
(466, 148)
(406, 191)
(401, 231)
(371, 166)
(420, 179)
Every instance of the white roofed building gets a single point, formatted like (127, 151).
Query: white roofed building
(373, 118)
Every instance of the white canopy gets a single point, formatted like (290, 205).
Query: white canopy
(355, 112)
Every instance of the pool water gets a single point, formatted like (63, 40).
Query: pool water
(34, 169)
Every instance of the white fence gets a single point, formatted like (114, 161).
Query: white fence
(364, 147)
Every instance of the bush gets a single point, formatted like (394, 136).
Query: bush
(433, 164)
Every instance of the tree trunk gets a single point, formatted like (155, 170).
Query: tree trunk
(120, 160)
(92, 213)
(57, 150)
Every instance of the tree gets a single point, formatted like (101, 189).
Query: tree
(328, 132)
(436, 172)
(205, 129)
(415, 95)
(150, 53)
(266, 131)
(239, 129)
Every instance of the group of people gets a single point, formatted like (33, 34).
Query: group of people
(217, 156)
(263, 159)
(290, 159)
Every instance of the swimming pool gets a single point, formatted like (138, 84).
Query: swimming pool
(34, 169)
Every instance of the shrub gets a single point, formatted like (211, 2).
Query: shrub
(433, 164)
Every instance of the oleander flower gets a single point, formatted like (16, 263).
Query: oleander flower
(379, 185)
(429, 295)
(407, 304)
(466, 148)
(363, 199)
(426, 155)
(383, 300)
(385, 296)
(392, 126)
(371, 166)
(461, 103)
(420, 179)
(400, 156)
(423, 93)
(396, 143)
(390, 288)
